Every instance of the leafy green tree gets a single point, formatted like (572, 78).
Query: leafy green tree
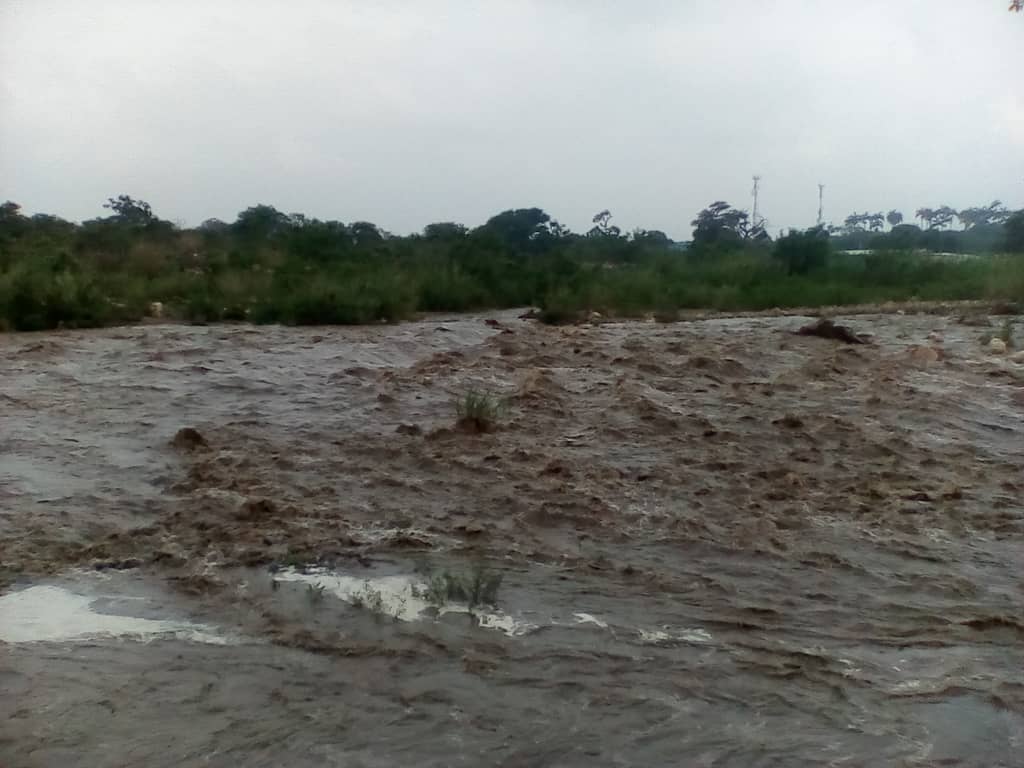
(993, 213)
(445, 230)
(944, 217)
(936, 218)
(603, 226)
(854, 221)
(214, 226)
(128, 210)
(365, 233)
(654, 237)
(10, 211)
(721, 225)
(894, 218)
(319, 241)
(525, 229)
(803, 252)
(902, 237)
(1014, 228)
(12, 223)
(260, 222)
(874, 222)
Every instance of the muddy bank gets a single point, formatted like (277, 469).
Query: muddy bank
(720, 541)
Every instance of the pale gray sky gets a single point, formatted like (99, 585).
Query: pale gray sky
(408, 112)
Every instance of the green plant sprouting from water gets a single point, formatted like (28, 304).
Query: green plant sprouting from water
(479, 410)
(480, 586)
(369, 598)
(315, 593)
(1006, 333)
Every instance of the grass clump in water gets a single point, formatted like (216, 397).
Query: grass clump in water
(1006, 334)
(475, 588)
(315, 593)
(478, 411)
(370, 599)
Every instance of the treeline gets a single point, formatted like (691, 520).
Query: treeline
(268, 266)
(983, 229)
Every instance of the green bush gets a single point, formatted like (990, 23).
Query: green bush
(803, 252)
(478, 411)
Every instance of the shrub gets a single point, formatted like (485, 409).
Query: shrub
(478, 411)
(803, 252)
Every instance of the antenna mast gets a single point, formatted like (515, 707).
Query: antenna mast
(754, 216)
(821, 198)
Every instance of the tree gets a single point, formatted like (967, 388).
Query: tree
(802, 252)
(365, 233)
(260, 222)
(854, 221)
(603, 226)
(1014, 227)
(12, 223)
(902, 237)
(10, 210)
(127, 210)
(50, 225)
(1017, 5)
(993, 213)
(524, 229)
(214, 226)
(650, 237)
(721, 224)
(936, 218)
(943, 217)
(894, 218)
(444, 230)
(859, 221)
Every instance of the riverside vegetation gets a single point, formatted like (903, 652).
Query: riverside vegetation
(271, 267)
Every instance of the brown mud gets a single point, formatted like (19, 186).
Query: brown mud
(721, 543)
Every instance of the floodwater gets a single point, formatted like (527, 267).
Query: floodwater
(720, 544)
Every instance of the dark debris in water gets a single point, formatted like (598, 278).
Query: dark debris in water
(826, 329)
(189, 439)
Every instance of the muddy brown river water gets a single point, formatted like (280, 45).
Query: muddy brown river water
(721, 544)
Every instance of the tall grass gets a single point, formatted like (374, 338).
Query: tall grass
(752, 282)
(48, 290)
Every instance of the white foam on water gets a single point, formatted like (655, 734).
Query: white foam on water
(658, 636)
(501, 621)
(402, 597)
(54, 614)
(399, 596)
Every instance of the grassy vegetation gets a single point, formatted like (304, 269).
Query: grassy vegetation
(475, 588)
(1006, 334)
(315, 593)
(270, 268)
(479, 411)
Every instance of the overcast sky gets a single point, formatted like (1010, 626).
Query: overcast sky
(409, 112)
